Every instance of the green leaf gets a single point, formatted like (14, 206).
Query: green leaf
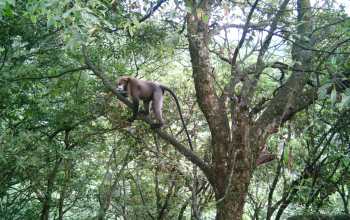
(333, 95)
(51, 21)
(322, 91)
(345, 101)
(131, 30)
(206, 18)
(67, 13)
(286, 156)
(200, 12)
(11, 2)
(33, 18)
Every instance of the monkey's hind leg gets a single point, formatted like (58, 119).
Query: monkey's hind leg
(156, 125)
(157, 105)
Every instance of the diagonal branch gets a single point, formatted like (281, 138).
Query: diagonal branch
(292, 97)
(164, 135)
(302, 101)
(245, 31)
(249, 86)
(50, 76)
(152, 10)
(104, 79)
(270, 33)
(222, 57)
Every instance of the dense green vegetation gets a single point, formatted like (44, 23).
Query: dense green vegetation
(264, 87)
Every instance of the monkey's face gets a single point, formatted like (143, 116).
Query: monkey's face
(122, 85)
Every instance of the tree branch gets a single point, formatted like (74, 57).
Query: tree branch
(271, 31)
(165, 136)
(245, 31)
(152, 10)
(51, 77)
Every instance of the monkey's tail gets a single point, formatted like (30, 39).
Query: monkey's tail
(180, 112)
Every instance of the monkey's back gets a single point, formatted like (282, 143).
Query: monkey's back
(146, 89)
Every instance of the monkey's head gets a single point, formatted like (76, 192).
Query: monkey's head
(122, 85)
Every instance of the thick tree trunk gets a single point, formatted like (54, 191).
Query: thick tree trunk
(45, 211)
(230, 202)
(231, 195)
(61, 202)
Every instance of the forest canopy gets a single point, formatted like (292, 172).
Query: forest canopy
(264, 89)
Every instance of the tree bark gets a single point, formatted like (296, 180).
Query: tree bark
(45, 211)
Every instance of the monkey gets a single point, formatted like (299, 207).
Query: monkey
(148, 91)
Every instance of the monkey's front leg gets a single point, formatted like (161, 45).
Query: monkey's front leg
(135, 109)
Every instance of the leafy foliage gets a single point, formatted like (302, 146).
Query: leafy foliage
(67, 151)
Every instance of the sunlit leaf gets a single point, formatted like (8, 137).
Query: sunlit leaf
(333, 95)
(345, 102)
